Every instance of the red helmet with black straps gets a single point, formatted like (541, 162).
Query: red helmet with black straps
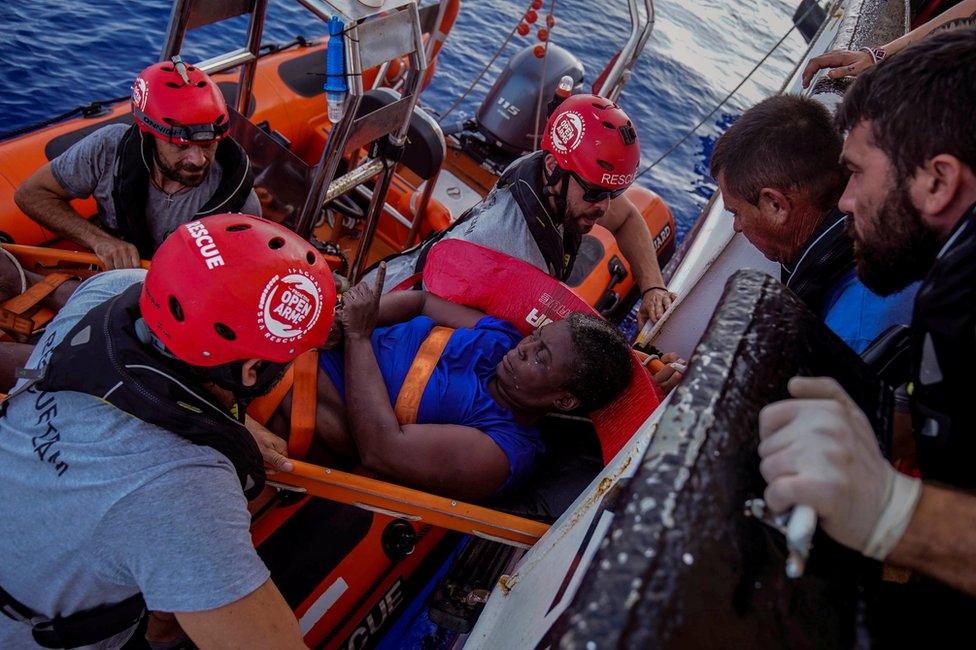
(232, 287)
(594, 139)
(178, 102)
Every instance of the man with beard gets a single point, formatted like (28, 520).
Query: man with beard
(545, 202)
(911, 150)
(779, 170)
(174, 165)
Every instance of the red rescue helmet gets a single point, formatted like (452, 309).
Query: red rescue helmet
(178, 102)
(592, 138)
(232, 287)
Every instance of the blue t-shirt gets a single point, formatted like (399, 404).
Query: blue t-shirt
(457, 392)
(858, 316)
(99, 505)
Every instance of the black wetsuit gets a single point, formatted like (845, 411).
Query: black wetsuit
(926, 611)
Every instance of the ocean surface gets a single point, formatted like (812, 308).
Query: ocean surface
(57, 55)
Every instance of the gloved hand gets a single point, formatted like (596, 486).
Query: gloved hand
(820, 450)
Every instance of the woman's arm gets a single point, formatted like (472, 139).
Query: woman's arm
(455, 460)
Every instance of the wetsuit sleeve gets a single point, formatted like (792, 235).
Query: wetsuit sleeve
(80, 168)
(185, 539)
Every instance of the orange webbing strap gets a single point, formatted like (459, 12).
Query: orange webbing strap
(263, 407)
(304, 398)
(21, 315)
(408, 401)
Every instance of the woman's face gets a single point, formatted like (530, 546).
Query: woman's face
(535, 371)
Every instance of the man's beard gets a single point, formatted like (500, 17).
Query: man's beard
(901, 249)
(188, 176)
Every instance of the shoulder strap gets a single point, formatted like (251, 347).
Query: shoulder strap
(304, 396)
(412, 390)
(236, 180)
(130, 190)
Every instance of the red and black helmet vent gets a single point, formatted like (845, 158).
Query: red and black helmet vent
(176, 309)
(224, 331)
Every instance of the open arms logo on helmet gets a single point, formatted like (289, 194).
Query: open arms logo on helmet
(567, 132)
(140, 93)
(289, 306)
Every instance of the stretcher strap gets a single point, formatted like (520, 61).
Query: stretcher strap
(408, 401)
(21, 315)
(304, 397)
(263, 407)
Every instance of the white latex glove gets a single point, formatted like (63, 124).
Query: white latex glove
(819, 450)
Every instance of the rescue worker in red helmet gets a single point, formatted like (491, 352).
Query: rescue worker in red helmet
(125, 458)
(546, 201)
(173, 165)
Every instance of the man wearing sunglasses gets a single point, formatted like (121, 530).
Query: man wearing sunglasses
(174, 165)
(545, 202)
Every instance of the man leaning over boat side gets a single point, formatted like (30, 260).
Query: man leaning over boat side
(125, 457)
(545, 202)
(911, 151)
(174, 165)
(779, 170)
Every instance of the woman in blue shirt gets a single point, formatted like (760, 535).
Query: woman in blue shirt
(474, 433)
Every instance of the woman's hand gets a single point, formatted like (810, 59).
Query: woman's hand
(843, 63)
(360, 306)
(670, 375)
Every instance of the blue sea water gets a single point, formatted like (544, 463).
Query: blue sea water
(56, 55)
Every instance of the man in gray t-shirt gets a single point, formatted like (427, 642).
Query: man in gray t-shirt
(107, 494)
(174, 165)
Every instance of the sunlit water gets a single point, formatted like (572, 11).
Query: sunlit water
(56, 55)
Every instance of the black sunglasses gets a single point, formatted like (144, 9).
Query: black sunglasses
(593, 194)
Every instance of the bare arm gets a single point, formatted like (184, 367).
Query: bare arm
(940, 540)
(261, 619)
(848, 63)
(634, 240)
(963, 10)
(43, 199)
(401, 306)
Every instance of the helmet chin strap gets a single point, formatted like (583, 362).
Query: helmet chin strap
(558, 195)
(228, 376)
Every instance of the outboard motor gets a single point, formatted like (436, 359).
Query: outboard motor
(507, 115)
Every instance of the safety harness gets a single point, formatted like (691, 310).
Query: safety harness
(524, 181)
(130, 190)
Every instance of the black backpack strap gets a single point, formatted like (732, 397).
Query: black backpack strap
(130, 190)
(83, 628)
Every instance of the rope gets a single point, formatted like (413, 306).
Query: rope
(727, 97)
(480, 75)
(88, 110)
(542, 79)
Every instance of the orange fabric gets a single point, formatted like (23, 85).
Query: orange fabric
(408, 401)
(304, 398)
(263, 407)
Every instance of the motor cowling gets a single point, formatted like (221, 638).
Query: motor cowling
(507, 115)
